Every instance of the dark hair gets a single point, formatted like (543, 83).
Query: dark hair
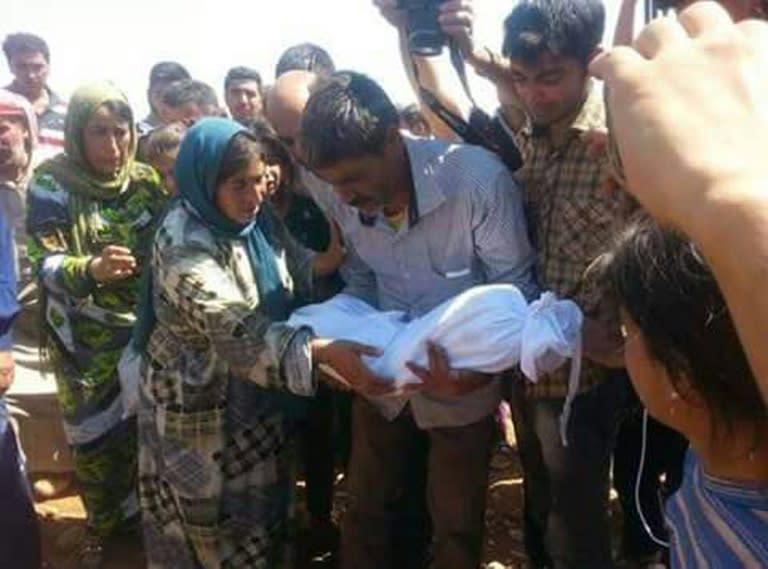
(186, 91)
(167, 72)
(275, 151)
(25, 43)
(162, 140)
(348, 116)
(242, 74)
(238, 154)
(570, 28)
(665, 286)
(305, 57)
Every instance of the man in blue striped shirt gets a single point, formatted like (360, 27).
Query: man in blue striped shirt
(423, 220)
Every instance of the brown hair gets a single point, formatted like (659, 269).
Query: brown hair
(162, 141)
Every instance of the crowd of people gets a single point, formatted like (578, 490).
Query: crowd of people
(156, 262)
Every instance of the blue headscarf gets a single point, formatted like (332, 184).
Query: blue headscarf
(196, 171)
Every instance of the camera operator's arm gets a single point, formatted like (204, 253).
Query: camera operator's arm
(436, 74)
(457, 21)
(625, 24)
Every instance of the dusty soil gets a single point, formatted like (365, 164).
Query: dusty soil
(63, 522)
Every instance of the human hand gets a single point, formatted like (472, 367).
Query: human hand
(457, 19)
(390, 10)
(342, 361)
(683, 145)
(442, 380)
(114, 264)
(7, 371)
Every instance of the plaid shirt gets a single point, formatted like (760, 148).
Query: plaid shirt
(571, 219)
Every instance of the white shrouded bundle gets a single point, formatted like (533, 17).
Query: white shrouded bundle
(489, 328)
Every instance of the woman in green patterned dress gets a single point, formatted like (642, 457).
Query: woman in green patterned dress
(91, 218)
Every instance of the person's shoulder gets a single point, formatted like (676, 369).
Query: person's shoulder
(44, 181)
(460, 167)
(57, 103)
(437, 154)
(182, 233)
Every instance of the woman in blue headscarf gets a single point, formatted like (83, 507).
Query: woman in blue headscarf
(223, 378)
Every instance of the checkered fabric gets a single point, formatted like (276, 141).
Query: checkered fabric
(572, 220)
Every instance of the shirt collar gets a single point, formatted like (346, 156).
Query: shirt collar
(425, 157)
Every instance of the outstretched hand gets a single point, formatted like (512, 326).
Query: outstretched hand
(443, 381)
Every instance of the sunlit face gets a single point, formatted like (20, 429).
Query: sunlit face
(164, 164)
(13, 140)
(239, 197)
(243, 99)
(30, 69)
(551, 89)
(106, 142)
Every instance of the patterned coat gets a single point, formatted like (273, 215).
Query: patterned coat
(215, 449)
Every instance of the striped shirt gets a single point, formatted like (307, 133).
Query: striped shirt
(465, 227)
(572, 222)
(717, 524)
(51, 124)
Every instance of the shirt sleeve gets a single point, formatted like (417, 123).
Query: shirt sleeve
(50, 245)
(501, 234)
(9, 306)
(269, 354)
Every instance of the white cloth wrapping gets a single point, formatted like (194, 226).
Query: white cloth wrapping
(489, 328)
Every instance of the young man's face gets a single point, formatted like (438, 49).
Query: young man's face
(243, 99)
(550, 89)
(30, 69)
(13, 140)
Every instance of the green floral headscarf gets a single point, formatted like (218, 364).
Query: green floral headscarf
(71, 168)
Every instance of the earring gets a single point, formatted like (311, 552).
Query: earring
(673, 396)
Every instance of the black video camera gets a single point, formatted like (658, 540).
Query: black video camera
(424, 34)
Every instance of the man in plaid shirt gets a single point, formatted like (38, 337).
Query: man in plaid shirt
(552, 112)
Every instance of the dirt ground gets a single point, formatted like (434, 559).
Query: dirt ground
(63, 522)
